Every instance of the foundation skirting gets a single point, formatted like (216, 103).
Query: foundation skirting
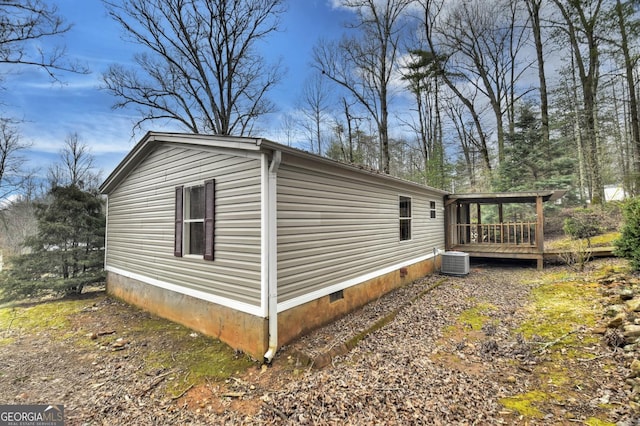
(247, 332)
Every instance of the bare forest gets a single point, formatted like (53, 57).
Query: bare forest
(459, 95)
(475, 95)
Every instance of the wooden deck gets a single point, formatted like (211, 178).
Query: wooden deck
(508, 229)
(499, 251)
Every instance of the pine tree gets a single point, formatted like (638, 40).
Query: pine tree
(531, 164)
(67, 251)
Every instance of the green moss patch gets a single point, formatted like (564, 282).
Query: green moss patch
(477, 317)
(562, 309)
(525, 404)
(197, 360)
(593, 421)
(560, 315)
(50, 316)
(568, 243)
(472, 319)
(177, 355)
(97, 324)
(195, 357)
(604, 240)
(559, 308)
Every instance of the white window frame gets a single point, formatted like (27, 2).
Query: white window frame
(405, 219)
(186, 241)
(433, 209)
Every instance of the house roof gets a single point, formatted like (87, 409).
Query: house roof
(505, 197)
(233, 144)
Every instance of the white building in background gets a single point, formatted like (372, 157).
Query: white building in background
(614, 193)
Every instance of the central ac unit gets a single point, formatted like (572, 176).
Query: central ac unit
(455, 263)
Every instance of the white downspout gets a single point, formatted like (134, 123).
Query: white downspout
(272, 254)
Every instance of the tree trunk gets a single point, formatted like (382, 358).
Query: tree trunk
(589, 75)
(383, 130)
(577, 134)
(621, 137)
(533, 6)
(633, 100)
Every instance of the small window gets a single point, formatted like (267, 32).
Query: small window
(432, 209)
(194, 224)
(405, 218)
(194, 220)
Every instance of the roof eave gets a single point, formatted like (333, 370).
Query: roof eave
(149, 141)
(274, 146)
(507, 197)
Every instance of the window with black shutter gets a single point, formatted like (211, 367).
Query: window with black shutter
(177, 239)
(209, 216)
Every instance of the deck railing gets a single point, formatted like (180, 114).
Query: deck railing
(508, 233)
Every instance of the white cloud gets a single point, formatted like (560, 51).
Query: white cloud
(6, 202)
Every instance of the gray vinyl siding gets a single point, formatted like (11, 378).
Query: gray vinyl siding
(335, 225)
(141, 222)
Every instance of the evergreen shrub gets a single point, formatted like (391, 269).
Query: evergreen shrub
(628, 245)
(65, 254)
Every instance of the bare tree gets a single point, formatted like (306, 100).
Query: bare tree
(348, 140)
(470, 143)
(288, 128)
(202, 67)
(482, 40)
(350, 120)
(581, 25)
(534, 9)
(23, 25)
(12, 175)
(623, 13)
(76, 166)
(364, 63)
(17, 221)
(439, 55)
(423, 79)
(314, 104)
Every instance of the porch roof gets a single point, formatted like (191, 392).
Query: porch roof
(504, 197)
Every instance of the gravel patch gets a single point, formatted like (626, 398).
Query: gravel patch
(391, 376)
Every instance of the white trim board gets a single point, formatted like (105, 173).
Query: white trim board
(300, 300)
(283, 306)
(223, 301)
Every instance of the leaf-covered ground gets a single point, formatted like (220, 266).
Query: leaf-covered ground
(505, 345)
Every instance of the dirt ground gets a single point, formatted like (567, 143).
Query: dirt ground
(458, 352)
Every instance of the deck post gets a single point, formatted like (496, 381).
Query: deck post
(447, 225)
(540, 231)
(479, 227)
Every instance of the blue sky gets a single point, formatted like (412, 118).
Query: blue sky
(51, 111)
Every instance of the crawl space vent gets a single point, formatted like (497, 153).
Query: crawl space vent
(455, 263)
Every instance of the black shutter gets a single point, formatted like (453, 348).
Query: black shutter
(209, 216)
(177, 237)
